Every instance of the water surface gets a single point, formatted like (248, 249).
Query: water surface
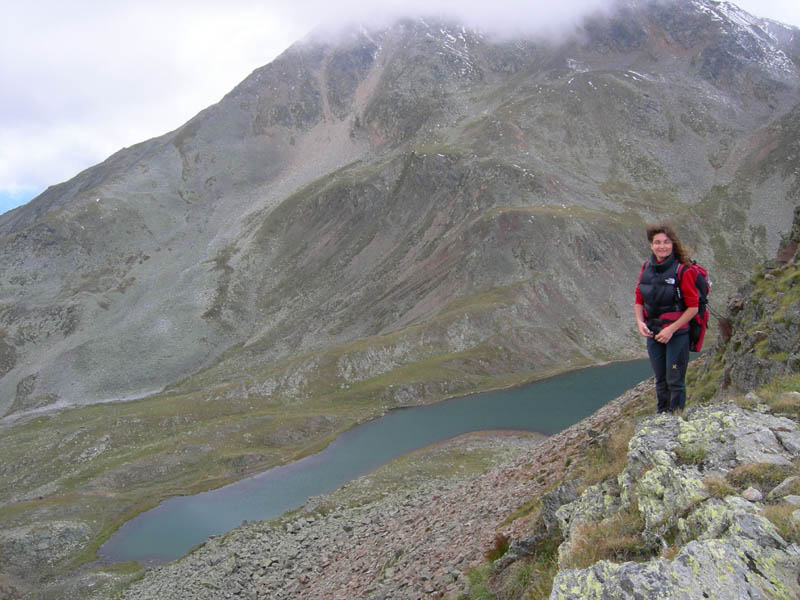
(176, 525)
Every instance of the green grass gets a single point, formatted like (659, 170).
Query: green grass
(479, 587)
(530, 577)
(618, 538)
(781, 516)
(608, 458)
(762, 476)
(529, 508)
(782, 394)
(703, 379)
(691, 454)
(718, 487)
(499, 547)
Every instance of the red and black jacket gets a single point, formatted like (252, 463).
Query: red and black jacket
(663, 293)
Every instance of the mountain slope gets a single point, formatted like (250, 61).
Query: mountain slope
(625, 504)
(420, 195)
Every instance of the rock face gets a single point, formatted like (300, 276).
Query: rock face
(764, 322)
(727, 548)
(421, 197)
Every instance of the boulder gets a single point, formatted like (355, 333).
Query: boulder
(731, 568)
(664, 493)
(554, 500)
(790, 440)
(783, 488)
(760, 447)
(727, 548)
(752, 494)
(717, 519)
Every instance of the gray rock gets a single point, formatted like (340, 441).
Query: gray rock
(790, 440)
(782, 489)
(550, 503)
(732, 436)
(729, 550)
(596, 503)
(760, 447)
(733, 516)
(653, 444)
(731, 568)
(519, 548)
(664, 493)
(752, 397)
(555, 499)
(752, 494)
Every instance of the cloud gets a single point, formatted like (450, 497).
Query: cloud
(503, 17)
(81, 80)
(88, 78)
(12, 198)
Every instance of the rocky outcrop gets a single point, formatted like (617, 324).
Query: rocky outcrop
(699, 524)
(725, 547)
(763, 322)
(736, 568)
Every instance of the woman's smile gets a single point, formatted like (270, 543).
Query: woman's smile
(661, 246)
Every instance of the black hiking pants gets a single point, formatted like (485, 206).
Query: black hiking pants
(669, 366)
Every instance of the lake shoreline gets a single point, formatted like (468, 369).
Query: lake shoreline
(376, 549)
(530, 408)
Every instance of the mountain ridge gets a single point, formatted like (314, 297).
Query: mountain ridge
(169, 244)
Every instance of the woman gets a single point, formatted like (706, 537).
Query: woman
(665, 303)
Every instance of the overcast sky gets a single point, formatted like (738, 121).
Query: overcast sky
(82, 79)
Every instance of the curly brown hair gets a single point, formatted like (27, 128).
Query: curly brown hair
(677, 248)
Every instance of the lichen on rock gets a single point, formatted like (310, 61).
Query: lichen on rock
(727, 549)
(664, 493)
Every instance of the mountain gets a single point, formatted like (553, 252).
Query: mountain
(382, 218)
(406, 213)
(625, 504)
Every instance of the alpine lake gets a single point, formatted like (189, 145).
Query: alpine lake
(548, 406)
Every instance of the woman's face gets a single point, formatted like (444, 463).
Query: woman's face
(661, 246)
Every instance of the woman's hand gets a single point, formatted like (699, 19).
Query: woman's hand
(665, 334)
(643, 329)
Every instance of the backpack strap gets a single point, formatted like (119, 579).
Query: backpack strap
(681, 268)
